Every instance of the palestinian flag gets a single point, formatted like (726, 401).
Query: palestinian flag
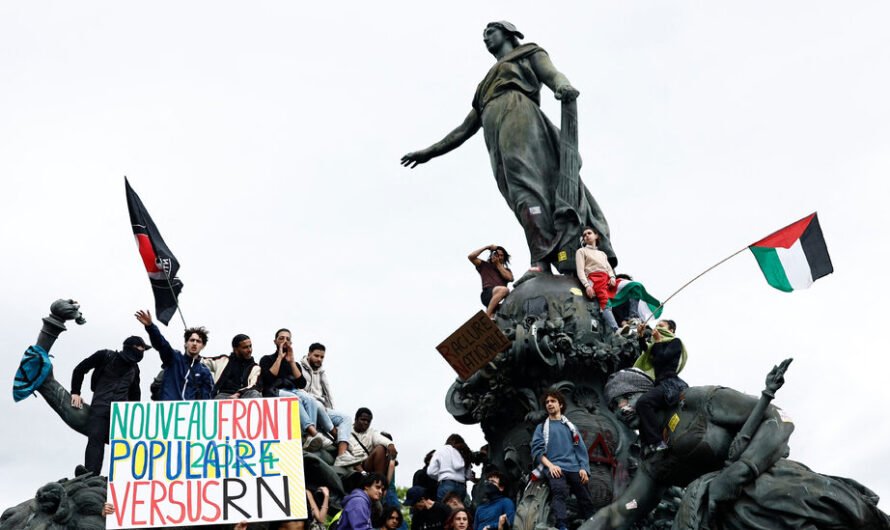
(160, 264)
(631, 291)
(795, 256)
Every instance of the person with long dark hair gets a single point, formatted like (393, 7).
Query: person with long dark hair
(451, 467)
(495, 274)
(392, 517)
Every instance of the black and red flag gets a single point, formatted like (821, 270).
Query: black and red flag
(160, 263)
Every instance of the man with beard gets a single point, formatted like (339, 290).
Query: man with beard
(236, 375)
(115, 378)
(318, 387)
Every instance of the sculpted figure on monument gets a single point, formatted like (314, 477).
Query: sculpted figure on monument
(524, 147)
(729, 451)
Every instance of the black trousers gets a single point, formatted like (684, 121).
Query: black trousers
(666, 393)
(560, 489)
(97, 437)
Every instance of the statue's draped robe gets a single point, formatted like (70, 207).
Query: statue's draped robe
(524, 149)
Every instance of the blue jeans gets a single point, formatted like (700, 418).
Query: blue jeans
(447, 486)
(313, 413)
(331, 418)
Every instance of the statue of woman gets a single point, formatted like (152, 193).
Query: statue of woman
(524, 145)
(731, 481)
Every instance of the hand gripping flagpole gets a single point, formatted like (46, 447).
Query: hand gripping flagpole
(685, 285)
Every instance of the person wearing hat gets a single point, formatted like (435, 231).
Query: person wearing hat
(115, 378)
(524, 147)
(426, 514)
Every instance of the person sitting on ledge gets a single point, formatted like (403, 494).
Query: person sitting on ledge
(662, 360)
(369, 450)
(495, 275)
(596, 274)
(237, 375)
(281, 377)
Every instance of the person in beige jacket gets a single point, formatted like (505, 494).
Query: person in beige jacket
(596, 274)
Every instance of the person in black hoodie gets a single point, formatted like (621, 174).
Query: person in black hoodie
(236, 375)
(115, 378)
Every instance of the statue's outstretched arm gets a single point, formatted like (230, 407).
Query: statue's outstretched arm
(471, 124)
(640, 498)
(768, 444)
(553, 78)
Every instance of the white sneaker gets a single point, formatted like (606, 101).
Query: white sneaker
(346, 460)
(314, 443)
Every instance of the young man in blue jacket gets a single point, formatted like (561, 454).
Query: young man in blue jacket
(185, 376)
(561, 455)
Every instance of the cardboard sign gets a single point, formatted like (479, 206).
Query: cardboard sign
(473, 345)
(185, 463)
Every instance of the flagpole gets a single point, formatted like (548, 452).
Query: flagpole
(175, 298)
(685, 285)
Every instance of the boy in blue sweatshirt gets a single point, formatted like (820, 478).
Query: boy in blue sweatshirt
(561, 456)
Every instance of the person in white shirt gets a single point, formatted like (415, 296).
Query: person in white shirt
(451, 466)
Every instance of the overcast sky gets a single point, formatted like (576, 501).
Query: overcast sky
(264, 138)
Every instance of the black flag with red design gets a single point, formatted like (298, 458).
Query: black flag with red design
(160, 263)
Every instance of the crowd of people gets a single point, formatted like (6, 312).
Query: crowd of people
(440, 498)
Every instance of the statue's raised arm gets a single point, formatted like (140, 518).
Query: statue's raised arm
(524, 148)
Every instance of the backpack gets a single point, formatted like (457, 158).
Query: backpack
(156, 385)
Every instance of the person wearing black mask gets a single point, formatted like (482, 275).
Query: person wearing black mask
(115, 378)
(496, 511)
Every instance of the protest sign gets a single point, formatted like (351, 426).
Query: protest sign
(473, 345)
(185, 463)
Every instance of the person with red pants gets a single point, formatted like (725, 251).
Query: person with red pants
(596, 274)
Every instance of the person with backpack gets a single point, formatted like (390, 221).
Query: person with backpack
(115, 378)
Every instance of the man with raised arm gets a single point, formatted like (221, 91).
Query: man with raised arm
(185, 376)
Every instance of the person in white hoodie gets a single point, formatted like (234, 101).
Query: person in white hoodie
(451, 466)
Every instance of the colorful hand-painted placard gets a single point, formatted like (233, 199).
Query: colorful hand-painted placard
(185, 463)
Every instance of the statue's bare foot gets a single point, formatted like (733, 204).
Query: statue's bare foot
(536, 269)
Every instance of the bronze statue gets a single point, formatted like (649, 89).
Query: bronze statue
(75, 504)
(729, 450)
(524, 147)
(559, 341)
